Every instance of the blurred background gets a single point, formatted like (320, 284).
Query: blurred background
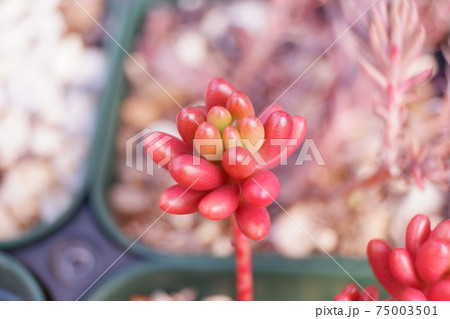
(375, 97)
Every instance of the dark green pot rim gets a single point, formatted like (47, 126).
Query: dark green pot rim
(122, 277)
(9, 265)
(313, 266)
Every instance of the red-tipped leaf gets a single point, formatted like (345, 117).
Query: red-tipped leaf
(197, 173)
(208, 142)
(254, 222)
(221, 202)
(432, 260)
(179, 200)
(412, 294)
(261, 189)
(278, 131)
(299, 126)
(417, 233)
(378, 253)
(349, 293)
(188, 120)
(401, 265)
(239, 163)
(440, 291)
(267, 112)
(218, 92)
(163, 147)
(442, 231)
(240, 105)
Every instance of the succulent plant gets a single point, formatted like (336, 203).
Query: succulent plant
(221, 165)
(418, 272)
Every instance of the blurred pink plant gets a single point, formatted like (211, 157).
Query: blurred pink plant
(396, 40)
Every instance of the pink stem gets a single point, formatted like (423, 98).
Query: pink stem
(394, 110)
(244, 273)
(393, 126)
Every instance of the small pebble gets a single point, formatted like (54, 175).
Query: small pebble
(218, 298)
(185, 294)
(207, 231)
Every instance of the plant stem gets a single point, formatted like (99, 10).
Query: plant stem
(244, 272)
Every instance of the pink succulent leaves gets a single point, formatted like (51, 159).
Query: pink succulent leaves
(221, 164)
(419, 272)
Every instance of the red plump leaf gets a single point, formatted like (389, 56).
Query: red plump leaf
(299, 126)
(378, 253)
(401, 265)
(254, 222)
(208, 142)
(278, 131)
(231, 137)
(239, 105)
(217, 92)
(197, 173)
(239, 163)
(349, 293)
(432, 260)
(221, 202)
(440, 291)
(442, 231)
(261, 189)
(417, 233)
(412, 294)
(163, 147)
(267, 112)
(188, 120)
(179, 200)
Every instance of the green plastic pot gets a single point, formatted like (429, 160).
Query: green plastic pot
(316, 278)
(16, 282)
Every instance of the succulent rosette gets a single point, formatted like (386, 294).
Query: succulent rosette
(419, 272)
(221, 164)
